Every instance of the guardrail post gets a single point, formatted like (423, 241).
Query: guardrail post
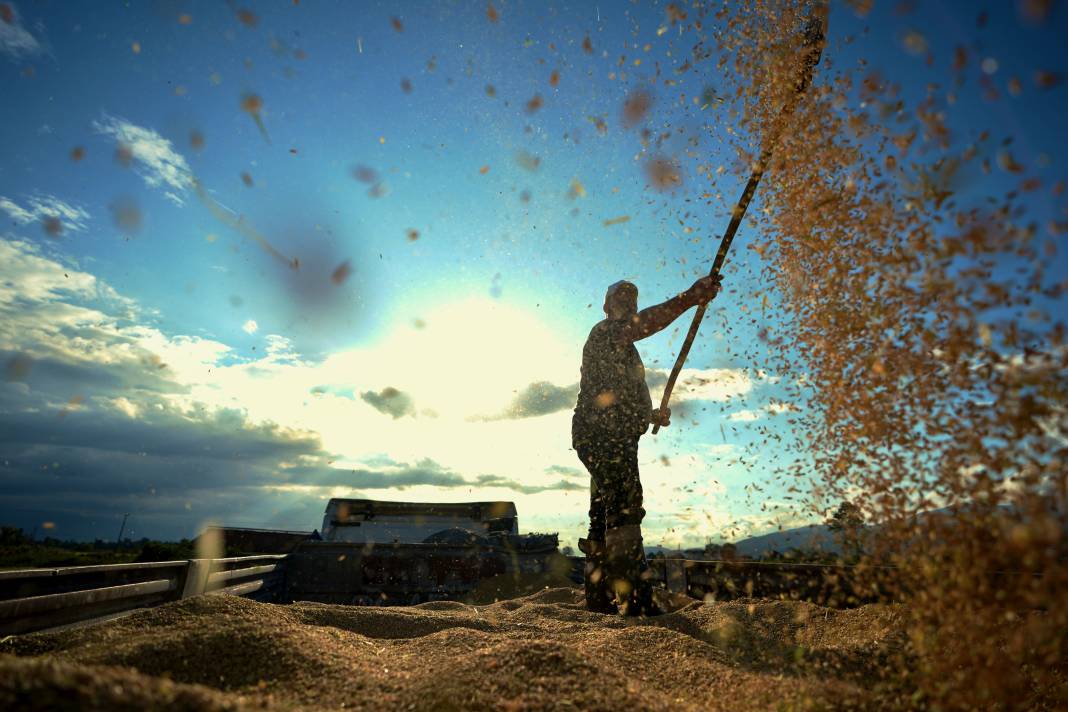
(196, 577)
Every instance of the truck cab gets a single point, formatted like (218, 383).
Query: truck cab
(368, 521)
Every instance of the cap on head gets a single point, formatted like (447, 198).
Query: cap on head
(621, 299)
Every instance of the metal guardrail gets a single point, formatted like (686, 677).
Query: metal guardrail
(834, 585)
(40, 599)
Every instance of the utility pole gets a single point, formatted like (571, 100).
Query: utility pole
(122, 528)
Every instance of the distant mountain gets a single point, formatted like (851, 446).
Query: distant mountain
(670, 552)
(813, 537)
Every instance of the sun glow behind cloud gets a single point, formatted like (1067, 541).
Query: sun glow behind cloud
(471, 358)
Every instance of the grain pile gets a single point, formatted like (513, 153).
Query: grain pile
(544, 651)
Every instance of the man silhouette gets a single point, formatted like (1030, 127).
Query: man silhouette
(613, 411)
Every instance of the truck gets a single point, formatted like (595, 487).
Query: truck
(388, 553)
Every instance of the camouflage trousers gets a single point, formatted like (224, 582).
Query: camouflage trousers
(617, 574)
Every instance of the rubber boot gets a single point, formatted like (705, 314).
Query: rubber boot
(629, 577)
(595, 577)
(642, 600)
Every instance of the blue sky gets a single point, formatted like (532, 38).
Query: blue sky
(161, 362)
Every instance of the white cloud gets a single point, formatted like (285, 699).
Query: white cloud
(279, 349)
(48, 309)
(749, 415)
(17, 212)
(451, 367)
(250, 326)
(709, 384)
(473, 357)
(718, 450)
(28, 276)
(15, 40)
(125, 406)
(763, 375)
(157, 162)
(41, 206)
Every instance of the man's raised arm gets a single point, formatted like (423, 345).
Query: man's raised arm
(656, 318)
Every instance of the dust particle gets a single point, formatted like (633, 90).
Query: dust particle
(341, 273)
(635, 107)
(126, 215)
(1046, 80)
(53, 227)
(663, 173)
(251, 103)
(124, 155)
(18, 368)
(528, 161)
(365, 174)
